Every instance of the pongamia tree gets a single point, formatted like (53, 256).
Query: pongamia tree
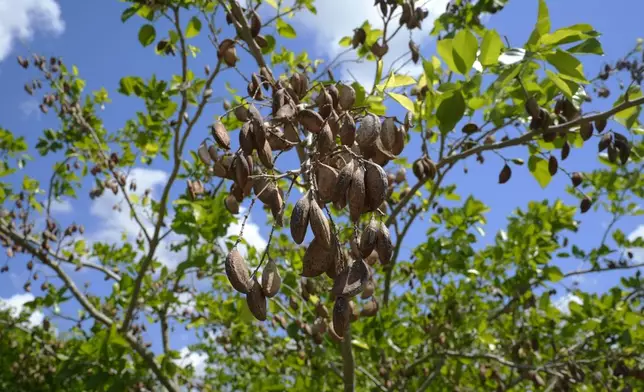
(342, 174)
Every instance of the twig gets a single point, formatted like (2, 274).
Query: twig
(348, 363)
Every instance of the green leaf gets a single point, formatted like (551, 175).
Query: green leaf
(589, 46)
(542, 26)
(194, 27)
(567, 65)
(562, 37)
(396, 81)
(444, 48)
(345, 42)
(450, 111)
(464, 46)
(270, 44)
(285, 30)
(560, 83)
(490, 48)
(147, 34)
(403, 100)
(539, 169)
(552, 273)
(272, 3)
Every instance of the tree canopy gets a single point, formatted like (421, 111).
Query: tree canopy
(336, 297)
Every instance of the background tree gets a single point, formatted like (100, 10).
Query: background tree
(344, 304)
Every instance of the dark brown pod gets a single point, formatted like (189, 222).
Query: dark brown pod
(505, 174)
(600, 124)
(246, 138)
(376, 184)
(605, 141)
(310, 120)
(384, 246)
(357, 193)
(265, 155)
(325, 140)
(470, 128)
(317, 259)
(586, 130)
(344, 181)
(553, 165)
(352, 280)
(347, 131)
(368, 238)
(359, 37)
(256, 301)
(565, 150)
(237, 271)
(320, 224)
(341, 316)
(585, 204)
(576, 178)
(255, 24)
(300, 218)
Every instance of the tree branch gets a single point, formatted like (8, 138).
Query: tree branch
(348, 363)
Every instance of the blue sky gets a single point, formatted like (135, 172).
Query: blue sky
(90, 35)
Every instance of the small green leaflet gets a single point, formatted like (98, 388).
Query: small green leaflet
(147, 34)
(490, 48)
(403, 100)
(539, 169)
(285, 30)
(194, 27)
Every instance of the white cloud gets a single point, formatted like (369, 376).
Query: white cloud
(16, 304)
(19, 19)
(62, 207)
(337, 18)
(562, 302)
(30, 107)
(194, 359)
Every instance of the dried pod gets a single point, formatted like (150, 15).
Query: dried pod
(585, 204)
(319, 224)
(576, 178)
(368, 131)
(241, 113)
(271, 280)
(430, 167)
(352, 280)
(384, 246)
(565, 150)
(586, 130)
(300, 218)
(370, 308)
(357, 194)
(388, 133)
(221, 135)
(355, 313)
(277, 141)
(255, 24)
(369, 289)
(505, 174)
(346, 97)
(532, 107)
(368, 238)
(359, 37)
(376, 185)
(202, 152)
(344, 181)
(418, 169)
(261, 41)
(415, 51)
(232, 205)
(372, 259)
(246, 138)
(237, 271)
(553, 165)
(256, 301)
(265, 155)
(341, 316)
(347, 131)
(242, 171)
(212, 151)
(605, 141)
(326, 141)
(600, 124)
(470, 128)
(327, 179)
(317, 259)
(230, 56)
(310, 120)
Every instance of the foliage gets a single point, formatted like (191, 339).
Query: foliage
(455, 314)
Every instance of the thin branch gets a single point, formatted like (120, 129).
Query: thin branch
(594, 270)
(431, 376)
(348, 362)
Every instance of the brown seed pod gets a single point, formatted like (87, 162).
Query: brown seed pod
(359, 37)
(600, 124)
(242, 171)
(586, 130)
(532, 107)
(232, 205)
(256, 301)
(276, 139)
(376, 184)
(369, 289)
(321, 310)
(346, 97)
(415, 51)
(271, 280)
(241, 113)
(246, 138)
(399, 142)
(212, 151)
(355, 313)
(352, 280)
(300, 218)
(565, 150)
(341, 316)
(384, 246)
(230, 56)
(357, 194)
(368, 131)
(327, 179)
(202, 152)
(237, 271)
(388, 133)
(370, 308)
(576, 178)
(265, 155)
(505, 174)
(220, 135)
(347, 131)
(418, 169)
(470, 128)
(368, 238)
(261, 41)
(320, 224)
(326, 141)
(317, 259)
(605, 141)
(255, 24)
(553, 165)
(585, 204)
(430, 168)
(372, 259)
(254, 88)
(344, 181)
(310, 120)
